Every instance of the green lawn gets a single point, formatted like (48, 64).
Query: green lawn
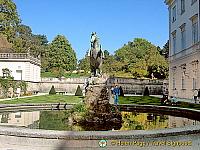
(148, 100)
(45, 99)
(66, 75)
(141, 100)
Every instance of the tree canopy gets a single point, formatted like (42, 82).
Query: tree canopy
(141, 58)
(9, 18)
(84, 64)
(138, 58)
(61, 56)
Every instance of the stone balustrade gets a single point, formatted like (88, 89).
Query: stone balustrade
(19, 56)
(193, 48)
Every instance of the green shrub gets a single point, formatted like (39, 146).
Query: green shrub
(79, 91)
(79, 108)
(146, 92)
(52, 91)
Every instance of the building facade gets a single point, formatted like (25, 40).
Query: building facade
(184, 55)
(22, 66)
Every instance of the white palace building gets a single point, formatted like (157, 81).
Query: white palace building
(184, 27)
(22, 65)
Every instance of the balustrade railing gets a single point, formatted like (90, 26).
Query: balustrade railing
(193, 48)
(18, 56)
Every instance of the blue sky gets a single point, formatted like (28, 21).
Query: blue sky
(115, 21)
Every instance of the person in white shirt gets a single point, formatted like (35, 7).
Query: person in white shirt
(195, 94)
(175, 93)
(18, 91)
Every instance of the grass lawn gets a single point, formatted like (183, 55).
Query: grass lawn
(141, 100)
(45, 99)
(148, 100)
(66, 75)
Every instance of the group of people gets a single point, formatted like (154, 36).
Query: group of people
(165, 100)
(173, 99)
(196, 95)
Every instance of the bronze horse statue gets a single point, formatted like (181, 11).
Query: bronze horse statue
(96, 56)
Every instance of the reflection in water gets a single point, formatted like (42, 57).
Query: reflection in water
(143, 121)
(179, 122)
(151, 121)
(54, 120)
(23, 119)
(58, 120)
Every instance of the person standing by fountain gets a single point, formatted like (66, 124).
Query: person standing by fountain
(116, 92)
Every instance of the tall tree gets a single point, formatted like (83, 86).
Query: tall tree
(111, 65)
(22, 40)
(61, 56)
(84, 64)
(142, 58)
(165, 50)
(26, 41)
(9, 19)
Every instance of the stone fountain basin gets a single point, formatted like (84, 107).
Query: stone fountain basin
(95, 135)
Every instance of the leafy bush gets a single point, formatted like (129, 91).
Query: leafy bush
(6, 83)
(79, 91)
(79, 108)
(23, 85)
(52, 91)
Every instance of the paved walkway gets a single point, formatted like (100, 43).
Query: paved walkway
(180, 99)
(188, 100)
(39, 94)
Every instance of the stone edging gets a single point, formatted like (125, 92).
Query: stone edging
(176, 111)
(31, 106)
(95, 135)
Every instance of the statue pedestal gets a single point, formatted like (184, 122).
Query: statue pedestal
(97, 81)
(101, 112)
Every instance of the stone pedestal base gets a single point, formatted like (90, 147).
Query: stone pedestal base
(101, 116)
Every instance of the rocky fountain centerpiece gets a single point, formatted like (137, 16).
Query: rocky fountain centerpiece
(101, 115)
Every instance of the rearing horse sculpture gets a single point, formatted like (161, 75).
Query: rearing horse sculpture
(96, 56)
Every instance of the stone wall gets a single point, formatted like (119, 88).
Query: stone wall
(137, 86)
(129, 86)
(44, 87)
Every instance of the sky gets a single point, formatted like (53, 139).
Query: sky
(116, 21)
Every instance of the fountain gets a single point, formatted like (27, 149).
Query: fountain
(101, 114)
(36, 128)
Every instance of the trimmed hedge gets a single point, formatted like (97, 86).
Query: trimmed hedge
(146, 92)
(52, 91)
(79, 91)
